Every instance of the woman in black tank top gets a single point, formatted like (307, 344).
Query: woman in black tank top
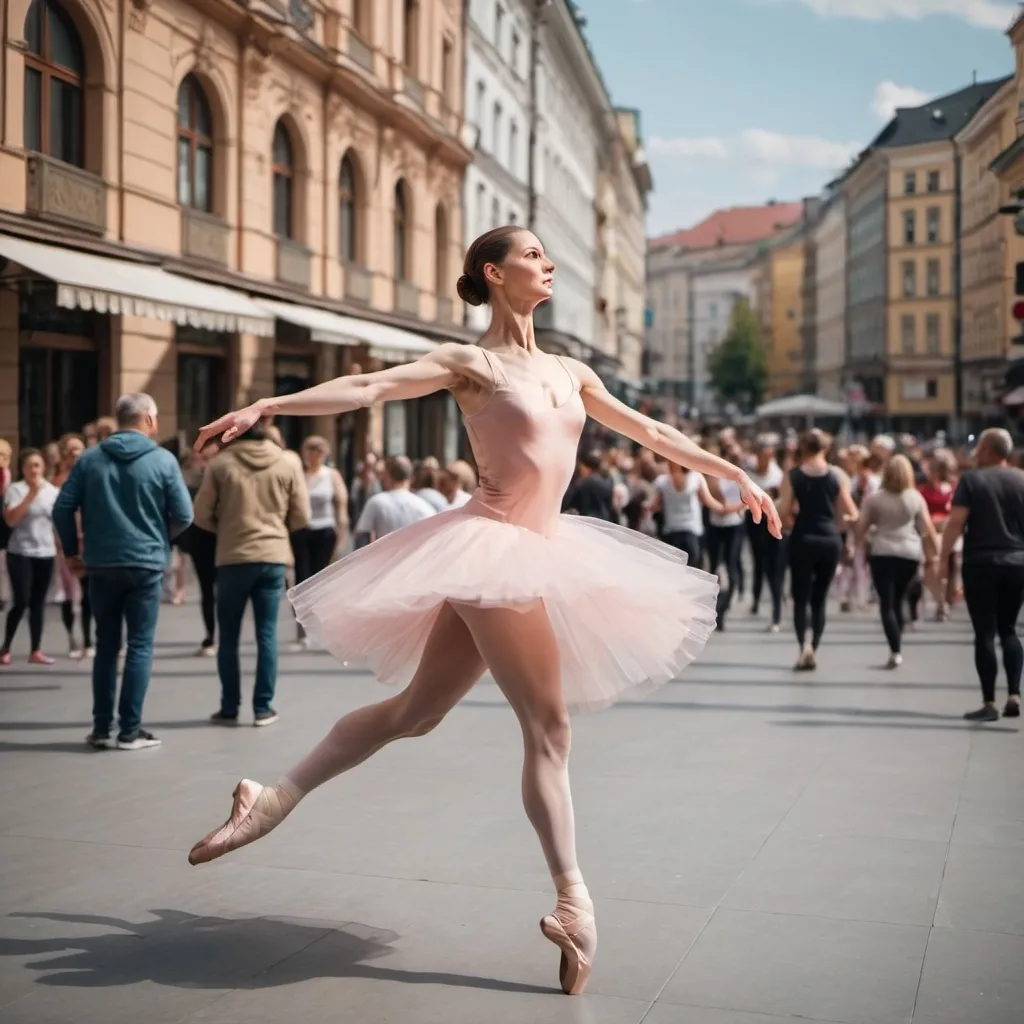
(811, 495)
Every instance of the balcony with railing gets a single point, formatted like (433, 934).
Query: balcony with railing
(204, 237)
(358, 283)
(294, 264)
(64, 194)
(407, 298)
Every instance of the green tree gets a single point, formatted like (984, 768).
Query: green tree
(737, 366)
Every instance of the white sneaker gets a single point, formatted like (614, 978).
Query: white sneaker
(895, 660)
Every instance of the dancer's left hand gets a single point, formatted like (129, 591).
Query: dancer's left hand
(760, 505)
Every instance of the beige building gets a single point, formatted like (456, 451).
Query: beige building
(624, 182)
(673, 365)
(829, 355)
(778, 278)
(213, 202)
(901, 200)
(990, 249)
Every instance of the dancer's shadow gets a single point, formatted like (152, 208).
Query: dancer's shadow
(182, 950)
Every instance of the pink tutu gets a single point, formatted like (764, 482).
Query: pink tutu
(627, 611)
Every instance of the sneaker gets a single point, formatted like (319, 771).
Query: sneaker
(207, 649)
(773, 628)
(1012, 709)
(895, 660)
(807, 661)
(219, 718)
(983, 714)
(141, 741)
(99, 740)
(38, 658)
(268, 717)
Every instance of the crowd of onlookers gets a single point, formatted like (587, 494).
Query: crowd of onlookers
(107, 523)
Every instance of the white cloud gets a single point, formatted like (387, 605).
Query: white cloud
(992, 14)
(889, 96)
(757, 149)
(707, 149)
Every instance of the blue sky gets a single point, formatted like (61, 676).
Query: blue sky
(749, 100)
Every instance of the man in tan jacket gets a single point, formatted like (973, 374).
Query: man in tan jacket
(252, 497)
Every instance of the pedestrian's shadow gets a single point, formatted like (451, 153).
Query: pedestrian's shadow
(185, 951)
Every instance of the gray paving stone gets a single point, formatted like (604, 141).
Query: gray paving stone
(851, 971)
(971, 976)
(983, 889)
(411, 889)
(894, 881)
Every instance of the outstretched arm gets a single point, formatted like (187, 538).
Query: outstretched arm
(669, 443)
(435, 371)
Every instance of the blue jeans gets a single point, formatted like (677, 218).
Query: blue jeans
(130, 597)
(263, 583)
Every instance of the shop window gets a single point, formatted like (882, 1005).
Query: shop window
(202, 382)
(57, 393)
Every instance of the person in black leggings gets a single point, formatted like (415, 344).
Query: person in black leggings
(811, 495)
(988, 510)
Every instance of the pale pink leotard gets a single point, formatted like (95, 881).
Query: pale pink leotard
(626, 610)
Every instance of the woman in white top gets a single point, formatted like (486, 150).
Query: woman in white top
(679, 496)
(314, 545)
(895, 519)
(31, 550)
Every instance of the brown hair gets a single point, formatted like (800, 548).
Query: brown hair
(814, 442)
(25, 454)
(491, 247)
(899, 475)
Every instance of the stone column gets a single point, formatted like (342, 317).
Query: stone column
(252, 375)
(144, 358)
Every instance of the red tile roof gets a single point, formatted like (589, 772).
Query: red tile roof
(738, 226)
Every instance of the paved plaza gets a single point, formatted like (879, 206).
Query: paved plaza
(761, 845)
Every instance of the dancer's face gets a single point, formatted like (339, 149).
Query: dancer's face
(526, 275)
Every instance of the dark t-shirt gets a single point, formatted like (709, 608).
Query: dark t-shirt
(816, 503)
(994, 499)
(592, 496)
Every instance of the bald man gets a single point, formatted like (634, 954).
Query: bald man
(988, 510)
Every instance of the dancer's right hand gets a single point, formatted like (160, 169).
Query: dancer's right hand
(229, 425)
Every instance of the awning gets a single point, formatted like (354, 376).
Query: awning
(801, 405)
(1015, 397)
(121, 288)
(389, 344)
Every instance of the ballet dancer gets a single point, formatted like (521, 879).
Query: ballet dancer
(567, 613)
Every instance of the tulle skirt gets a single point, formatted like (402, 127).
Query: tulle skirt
(626, 610)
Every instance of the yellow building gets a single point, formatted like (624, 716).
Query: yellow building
(989, 250)
(276, 189)
(778, 277)
(914, 159)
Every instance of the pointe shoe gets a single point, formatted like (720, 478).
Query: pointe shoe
(573, 917)
(256, 810)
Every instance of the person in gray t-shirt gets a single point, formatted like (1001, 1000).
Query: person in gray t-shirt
(394, 507)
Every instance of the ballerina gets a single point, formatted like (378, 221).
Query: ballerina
(567, 613)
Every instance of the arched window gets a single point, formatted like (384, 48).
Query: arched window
(401, 231)
(411, 34)
(284, 183)
(348, 212)
(441, 250)
(195, 147)
(54, 71)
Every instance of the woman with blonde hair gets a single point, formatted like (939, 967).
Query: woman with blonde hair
(895, 519)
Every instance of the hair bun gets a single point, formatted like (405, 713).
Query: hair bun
(468, 291)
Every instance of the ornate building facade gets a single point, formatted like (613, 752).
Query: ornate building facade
(213, 201)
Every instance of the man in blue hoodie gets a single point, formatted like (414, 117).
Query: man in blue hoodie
(132, 500)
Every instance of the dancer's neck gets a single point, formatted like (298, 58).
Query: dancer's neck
(510, 328)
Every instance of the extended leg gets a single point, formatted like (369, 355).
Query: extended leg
(449, 668)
